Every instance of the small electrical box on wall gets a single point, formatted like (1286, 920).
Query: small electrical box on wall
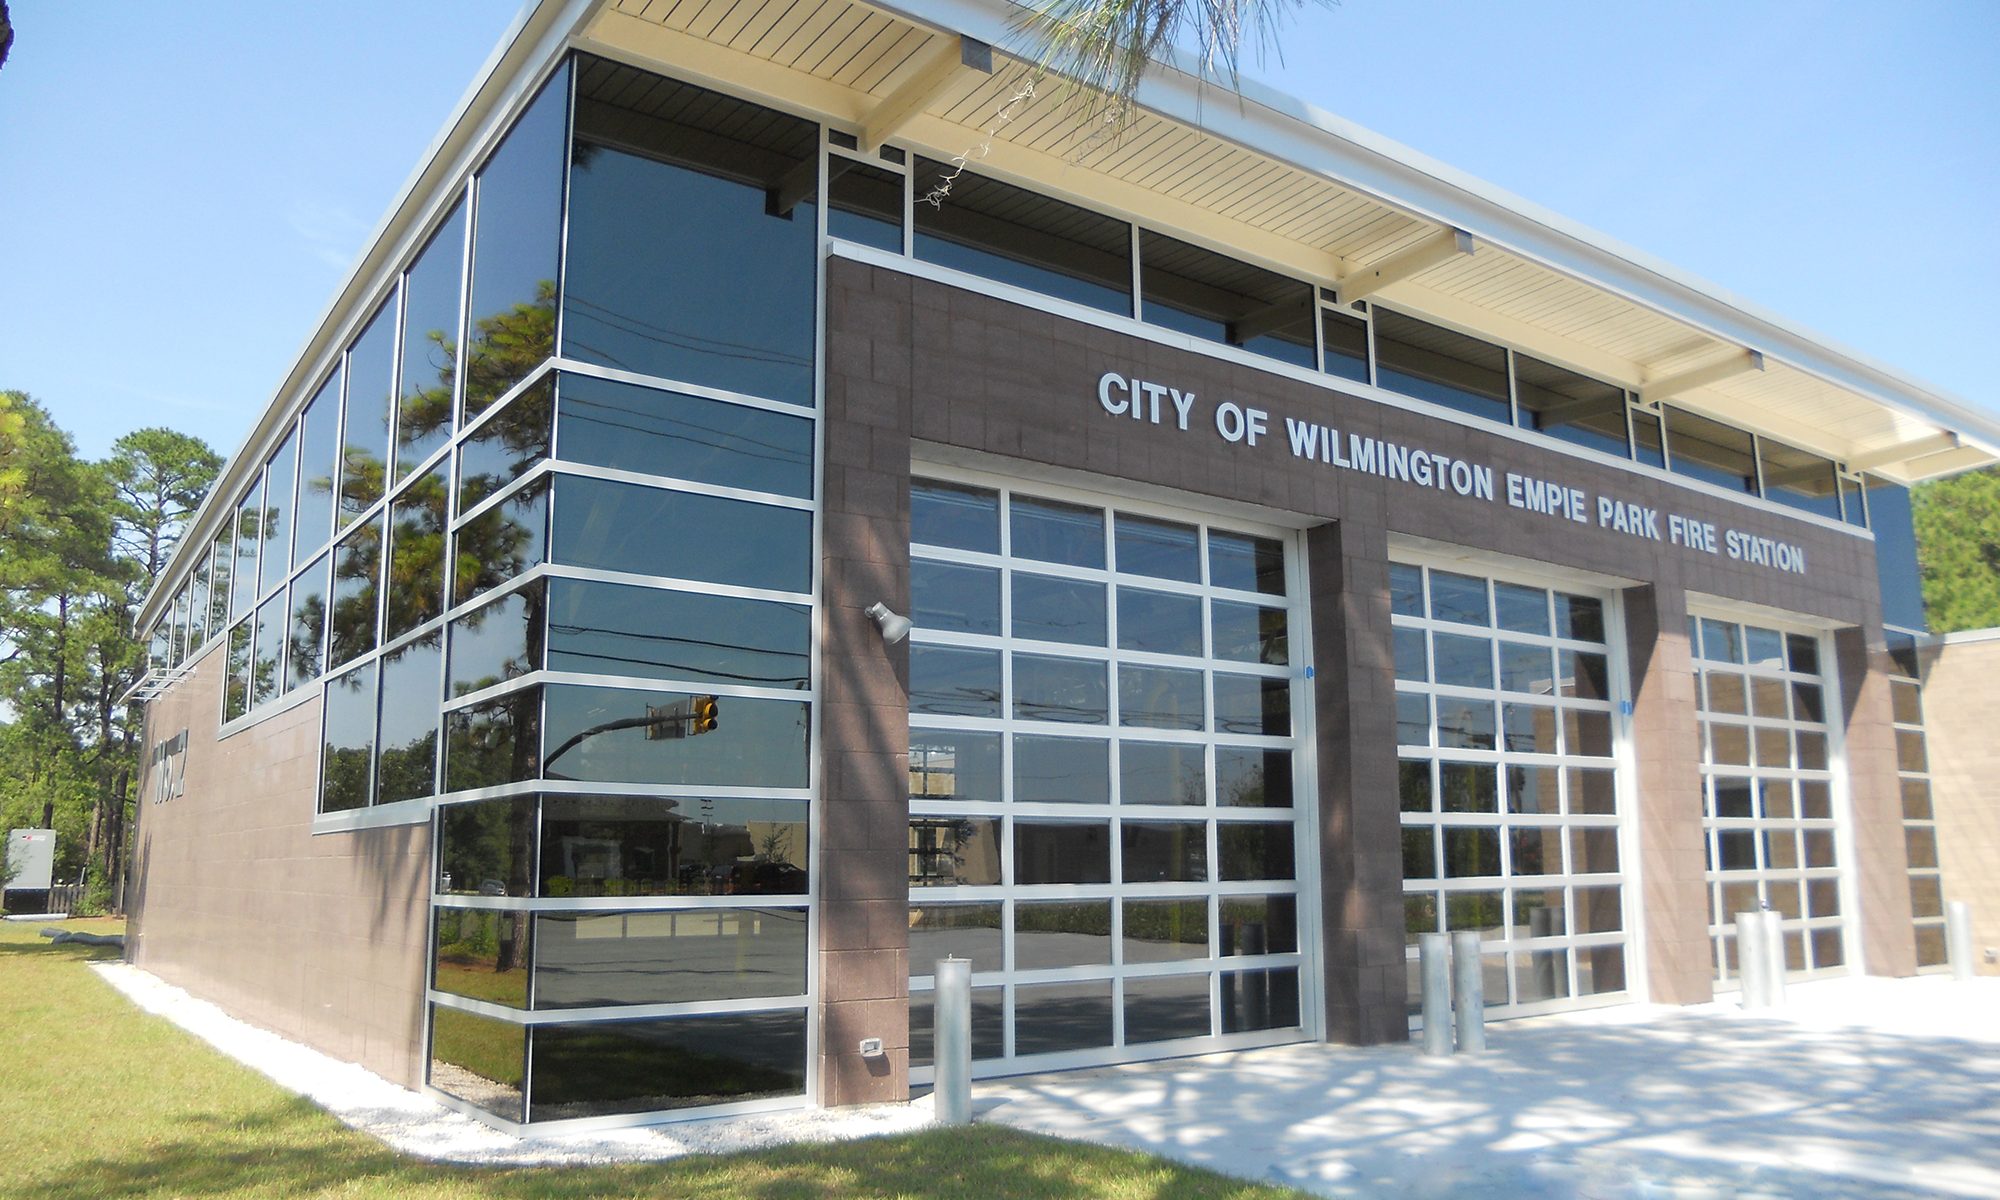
(871, 1047)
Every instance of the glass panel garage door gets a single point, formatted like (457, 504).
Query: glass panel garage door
(1103, 782)
(1508, 786)
(1767, 816)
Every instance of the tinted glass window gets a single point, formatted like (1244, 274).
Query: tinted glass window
(1052, 609)
(628, 527)
(1220, 299)
(517, 232)
(267, 676)
(1703, 449)
(720, 290)
(1160, 773)
(1253, 778)
(482, 953)
(280, 478)
(686, 437)
(643, 1066)
(1441, 365)
(1159, 622)
(947, 681)
(497, 642)
(357, 572)
(945, 514)
(1648, 444)
(1054, 1018)
(346, 765)
(480, 1060)
(654, 846)
(1160, 697)
(1895, 553)
(1062, 852)
(1062, 934)
(613, 629)
(1010, 234)
(236, 687)
(220, 561)
(1158, 1010)
(969, 931)
(1250, 633)
(1346, 343)
(1053, 770)
(430, 345)
(407, 763)
(1246, 563)
(1261, 851)
(487, 847)
(197, 605)
(951, 851)
(1162, 549)
(953, 765)
(307, 653)
(501, 542)
(619, 735)
(319, 460)
(1804, 481)
(864, 204)
(1051, 531)
(1571, 407)
(954, 597)
(586, 959)
(1072, 690)
(417, 552)
(249, 524)
(501, 450)
(364, 454)
(493, 743)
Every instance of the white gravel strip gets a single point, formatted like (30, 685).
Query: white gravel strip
(417, 1125)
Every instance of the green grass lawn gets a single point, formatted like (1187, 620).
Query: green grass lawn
(99, 1100)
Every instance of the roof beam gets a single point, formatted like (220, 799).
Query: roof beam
(937, 66)
(1742, 362)
(1937, 443)
(1440, 247)
(1269, 318)
(802, 182)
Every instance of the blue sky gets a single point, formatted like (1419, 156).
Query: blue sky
(182, 187)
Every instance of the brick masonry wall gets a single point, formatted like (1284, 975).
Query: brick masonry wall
(1961, 699)
(946, 368)
(320, 939)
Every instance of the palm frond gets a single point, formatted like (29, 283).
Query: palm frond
(1105, 47)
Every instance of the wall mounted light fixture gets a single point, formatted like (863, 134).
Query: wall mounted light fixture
(894, 626)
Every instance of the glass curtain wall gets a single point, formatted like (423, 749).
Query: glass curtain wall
(1768, 818)
(621, 899)
(1103, 811)
(1508, 786)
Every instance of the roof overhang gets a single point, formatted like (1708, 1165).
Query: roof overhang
(1252, 172)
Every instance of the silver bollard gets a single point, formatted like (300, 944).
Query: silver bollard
(1469, 992)
(951, 1095)
(1958, 938)
(1434, 967)
(1774, 952)
(1752, 963)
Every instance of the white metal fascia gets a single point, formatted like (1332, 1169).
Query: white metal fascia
(1286, 128)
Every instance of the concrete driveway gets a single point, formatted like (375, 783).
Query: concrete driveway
(1860, 1087)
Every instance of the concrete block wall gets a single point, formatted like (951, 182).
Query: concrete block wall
(319, 938)
(1961, 702)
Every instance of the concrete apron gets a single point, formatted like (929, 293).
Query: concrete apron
(1857, 1087)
